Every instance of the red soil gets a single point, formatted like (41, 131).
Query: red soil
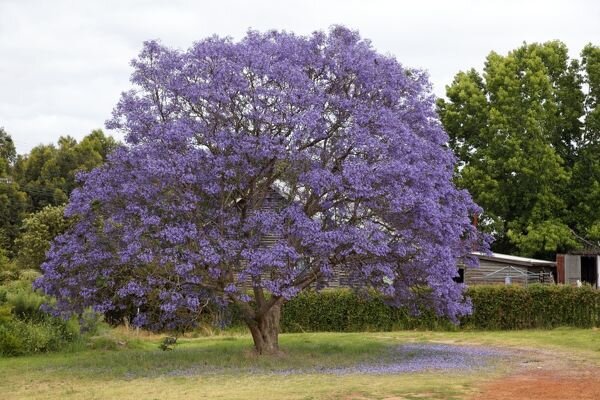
(576, 384)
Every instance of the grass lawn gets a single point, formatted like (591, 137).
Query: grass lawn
(224, 367)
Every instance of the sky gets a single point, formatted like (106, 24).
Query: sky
(64, 63)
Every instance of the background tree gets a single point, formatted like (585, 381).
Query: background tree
(48, 172)
(585, 195)
(13, 202)
(13, 207)
(519, 133)
(345, 136)
(45, 176)
(38, 230)
(8, 152)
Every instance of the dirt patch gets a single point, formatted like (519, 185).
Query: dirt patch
(547, 385)
(547, 376)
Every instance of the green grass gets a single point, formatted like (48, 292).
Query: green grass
(585, 342)
(226, 368)
(229, 354)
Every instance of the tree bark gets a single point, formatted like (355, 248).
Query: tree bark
(265, 330)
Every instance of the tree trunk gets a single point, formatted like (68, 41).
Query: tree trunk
(265, 331)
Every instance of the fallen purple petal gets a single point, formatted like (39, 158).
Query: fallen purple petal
(408, 358)
(421, 357)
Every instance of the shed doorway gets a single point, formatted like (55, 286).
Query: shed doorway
(460, 278)
(589, 270)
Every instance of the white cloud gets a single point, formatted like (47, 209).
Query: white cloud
(64, 63)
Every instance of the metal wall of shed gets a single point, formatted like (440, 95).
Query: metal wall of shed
(598, 272)
(479, 275)
(490, 272)
(569, 267)
(572, 269)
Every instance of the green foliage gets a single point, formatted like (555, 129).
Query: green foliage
(13, 207)
(25, 328)
(48, 173)
(38, 231)
(344, 311)
(544, 237)
(527, 134)
(516, 307)
(494, 307)
(7, 151)
(585, 195)
(26, 305)
(44, 177)
(168, 343)
(4, 261)
(91, 322)
(590, 60)
(8, 269)
(19, 337)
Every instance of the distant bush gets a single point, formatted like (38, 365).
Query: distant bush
(18, 337)
(8, 269)
(25, 328)
(26, 305)
(91, 322)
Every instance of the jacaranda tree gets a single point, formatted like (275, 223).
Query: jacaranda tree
(178, 217)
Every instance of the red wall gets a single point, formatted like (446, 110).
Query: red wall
(560, 268)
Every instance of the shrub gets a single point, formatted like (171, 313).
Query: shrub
(18, 337)
(342, 310)
(494, 307)
(11, 342)
(536, 306)
(8, 269)
(91, 322)
(25, 328)
(26, 305)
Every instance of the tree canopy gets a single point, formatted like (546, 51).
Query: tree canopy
(526, 136)
(8, 152)
(48, 173)
(45, 176)
(13, 201)
(38, 230)
(179, 216)
(13, 208)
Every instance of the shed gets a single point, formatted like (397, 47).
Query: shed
(581, 265)
(497, 268)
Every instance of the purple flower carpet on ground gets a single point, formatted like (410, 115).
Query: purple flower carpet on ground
(407, 358)
(420, 357)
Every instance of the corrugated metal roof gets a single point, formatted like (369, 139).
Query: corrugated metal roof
(510, 259)
(586, 251)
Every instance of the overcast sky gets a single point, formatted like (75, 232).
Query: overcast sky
(64, 63)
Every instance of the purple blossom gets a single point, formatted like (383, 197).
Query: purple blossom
(348, 140)
(132, 288)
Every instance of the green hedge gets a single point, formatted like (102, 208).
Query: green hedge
(344, 311)
(536, 306)
(494, 307)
